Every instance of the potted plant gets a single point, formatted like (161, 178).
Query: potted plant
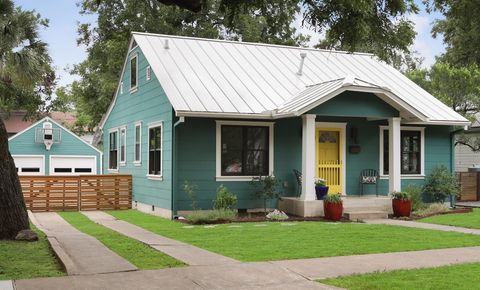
(402, 204)
(333, 207)
(321, 188)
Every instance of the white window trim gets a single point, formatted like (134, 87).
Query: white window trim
(152, 176)
(148, 73)
(422, 153)
(123, 162)
(135, 88)
(218, 151)
(118, 151)
(135, 161)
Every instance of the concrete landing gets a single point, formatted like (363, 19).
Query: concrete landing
(80, 253)
(365, 215)
(259, 276)
(186, 253)
(412, 224)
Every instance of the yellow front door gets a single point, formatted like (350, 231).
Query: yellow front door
(329, 157)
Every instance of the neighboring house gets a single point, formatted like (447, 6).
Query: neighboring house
(465, 157)
(214, 112)
(48, 148)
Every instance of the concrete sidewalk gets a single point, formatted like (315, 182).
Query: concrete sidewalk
(186, 253)
(259, 276)
(321, 268)
(412, 224)
(80, 253)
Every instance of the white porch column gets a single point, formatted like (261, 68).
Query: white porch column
(394, 164)
(308, 157)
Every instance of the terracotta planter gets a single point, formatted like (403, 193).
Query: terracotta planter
(321, 191)
(333, 211)
(401, 207)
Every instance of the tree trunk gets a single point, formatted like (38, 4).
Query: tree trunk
(13, 213)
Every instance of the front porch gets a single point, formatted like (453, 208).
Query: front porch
(351, 204)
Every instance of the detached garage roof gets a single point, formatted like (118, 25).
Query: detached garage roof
(204, 77)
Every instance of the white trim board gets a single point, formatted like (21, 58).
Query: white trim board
(218, 146)
(422, 152)
(343, 127)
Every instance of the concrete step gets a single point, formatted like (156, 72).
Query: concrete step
(365, 215)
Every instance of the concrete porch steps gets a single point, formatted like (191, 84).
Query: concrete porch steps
(365, 215)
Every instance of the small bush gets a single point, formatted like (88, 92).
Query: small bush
(415, 193)
(267, 188)
(277, 215)
(225, 199)
(333, 198)
(191, 191)
(440, 184)
(433, 209)
(199, 217)
(400, 195)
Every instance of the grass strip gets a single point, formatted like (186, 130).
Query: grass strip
(460, 277)
(24, 260)
(465, 220)
(137, 253)
(280, 241)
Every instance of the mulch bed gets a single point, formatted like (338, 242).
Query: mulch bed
(417, 217)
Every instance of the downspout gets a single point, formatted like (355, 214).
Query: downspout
(174, 163)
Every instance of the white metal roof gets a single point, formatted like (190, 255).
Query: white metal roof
(205, 76)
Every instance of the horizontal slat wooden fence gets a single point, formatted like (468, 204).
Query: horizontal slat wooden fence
(73, 193)
(469, 185)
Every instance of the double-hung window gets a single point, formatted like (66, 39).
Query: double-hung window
(244, 149)
(138, 143)
(113, 150)
(155, 150)
(123, 145)
(411, 151)
(133, 72)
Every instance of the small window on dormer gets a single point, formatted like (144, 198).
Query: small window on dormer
(149, 73)
(121, 88)
(133, 72)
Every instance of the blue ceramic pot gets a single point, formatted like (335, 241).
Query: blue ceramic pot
(321, 191)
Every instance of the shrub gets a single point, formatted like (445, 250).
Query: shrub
(400, 195)
(190, 190)
(277, 215)
(333, 198)
(415, 193)
(432, 209)
(225, 199)
(266, 188)
(440, 184)
(211, 216)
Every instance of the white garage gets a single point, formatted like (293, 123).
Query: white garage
(29, 164)
(73, 165)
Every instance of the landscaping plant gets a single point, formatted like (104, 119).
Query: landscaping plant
(415, 193)
(266, 188)
(211, 216)
(333, 207)
(191, 191)
(401, 204)
(441, 184)
(224, 199)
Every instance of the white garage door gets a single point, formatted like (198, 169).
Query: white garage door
(29, 164)
(73, 165)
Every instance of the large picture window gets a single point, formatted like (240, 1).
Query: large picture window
(245, 149)
(113, 150)
(155, 150)
(133, 72)
(411, 150)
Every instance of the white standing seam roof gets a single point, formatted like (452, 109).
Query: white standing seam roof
(205, 77)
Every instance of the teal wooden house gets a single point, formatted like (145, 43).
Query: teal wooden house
(215, 112)
(48, 148)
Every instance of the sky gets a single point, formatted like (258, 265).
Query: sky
(61, 35)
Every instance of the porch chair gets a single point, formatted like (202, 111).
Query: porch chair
(298, 177)
(369, 176)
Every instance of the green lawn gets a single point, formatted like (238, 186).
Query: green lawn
(23, 260)
(278, 241)
(464, 276)
(466, 220)
(132, 250)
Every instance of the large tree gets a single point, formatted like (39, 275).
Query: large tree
(26, 80)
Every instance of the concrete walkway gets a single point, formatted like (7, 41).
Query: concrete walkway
(261, 276)
(80, 253)
(321, 268)
(186, 253)
(412, 224)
